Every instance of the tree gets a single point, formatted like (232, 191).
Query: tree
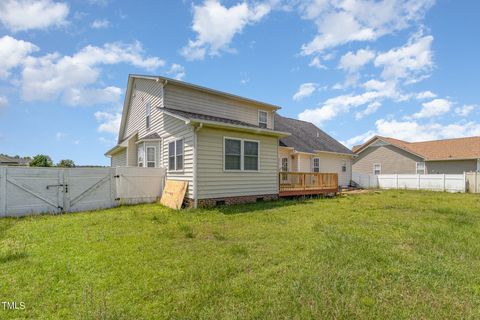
(66, 163)
(41, 160)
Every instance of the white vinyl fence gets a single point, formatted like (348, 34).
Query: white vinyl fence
(434, 182)
(26, 191)
(473, 182)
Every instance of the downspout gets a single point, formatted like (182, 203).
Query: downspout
(195, 153)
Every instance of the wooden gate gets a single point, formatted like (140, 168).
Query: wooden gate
(24, 191)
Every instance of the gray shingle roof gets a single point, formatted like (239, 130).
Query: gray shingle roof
(151, 136)
(306, 137)
(198, 116)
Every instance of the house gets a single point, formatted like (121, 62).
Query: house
(13, 161)
(383, 155)
(224, 146)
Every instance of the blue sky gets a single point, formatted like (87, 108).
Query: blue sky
(406, 69)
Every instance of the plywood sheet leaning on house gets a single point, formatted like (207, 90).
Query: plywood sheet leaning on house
(173, 194)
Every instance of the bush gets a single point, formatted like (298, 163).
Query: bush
(66, 163)
(41, 160)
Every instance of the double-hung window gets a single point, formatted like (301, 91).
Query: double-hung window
(420, 167)
(147, 114)
(316, 164)
(151, 157)
(377, 168)
(241, 154)
(175, 155)
(284, 164)
(344, 166)
(262, 119)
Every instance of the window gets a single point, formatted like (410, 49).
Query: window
(147, 114)
(233, 154)
(262, 119)
(316, 164)
(344, 166)
(284, 164)
(377, 168)
(151, 157)
(241, 154)
(140, 155)
(250, 155)
(420, 167)
(175, 155)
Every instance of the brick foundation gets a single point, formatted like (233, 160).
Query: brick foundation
(209, 203)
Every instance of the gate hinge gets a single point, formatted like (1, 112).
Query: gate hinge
(117, 176)
(117, 199)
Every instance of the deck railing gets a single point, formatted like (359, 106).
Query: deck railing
(307, 182)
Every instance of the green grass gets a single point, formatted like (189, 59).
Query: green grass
(390, 254)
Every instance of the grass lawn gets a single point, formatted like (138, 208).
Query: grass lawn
(389, 254)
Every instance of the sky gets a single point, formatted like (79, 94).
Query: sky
(401, 68)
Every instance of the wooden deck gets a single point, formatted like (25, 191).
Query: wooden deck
(307, 183)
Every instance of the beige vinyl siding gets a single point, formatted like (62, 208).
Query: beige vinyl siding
(331, 163)
(181, 98)
(170, 128)
(303, 162)
(214, 182)
(451, 166)
(392, 159)
(119, 159)
(143, 91)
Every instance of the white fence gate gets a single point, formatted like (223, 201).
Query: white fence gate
(434, 182)
(25, 191)
(473, 182)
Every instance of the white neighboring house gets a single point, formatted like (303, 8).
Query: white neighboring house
(228, 148)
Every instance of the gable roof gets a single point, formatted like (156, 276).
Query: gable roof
(448, 149)
(165, 81)
(199, 116)
(306, 137)
(14, 161)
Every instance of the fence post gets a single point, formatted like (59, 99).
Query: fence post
(418, 182)
(396, 180)
(444, 189)
(3, 191)
(464, 182)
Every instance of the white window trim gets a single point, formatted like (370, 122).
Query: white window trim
(175, 154)
(266, 122)
(242, 155)
(154, 156)
(377, 164)
(424, 167)
(313, 164)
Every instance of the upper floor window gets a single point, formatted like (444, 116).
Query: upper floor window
(344, 166)
(175, 155)
(147, 114)
(420, 167)
(151, 157)
(377, 168)
(262, 119)
(316, 164)
(240, 154)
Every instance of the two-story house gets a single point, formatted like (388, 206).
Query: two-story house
(226, 147)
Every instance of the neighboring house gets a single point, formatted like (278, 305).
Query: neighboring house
(382, 155)
(224, 146)
(9, 161)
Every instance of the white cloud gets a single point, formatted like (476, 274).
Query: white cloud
(13, 53)
(370, 109)
(409, 61)
(100, 24)
(317, 63)
(341, 22)
(109, 122)
(413, 131)
(59, 136)
(465, 110)
(305, 90)
(426, 95)
(433, 108)
(71, 77)
(352, 62)
(216, 26)
(3, 102)
(177, 71)
(22, 15)
(107, 142)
